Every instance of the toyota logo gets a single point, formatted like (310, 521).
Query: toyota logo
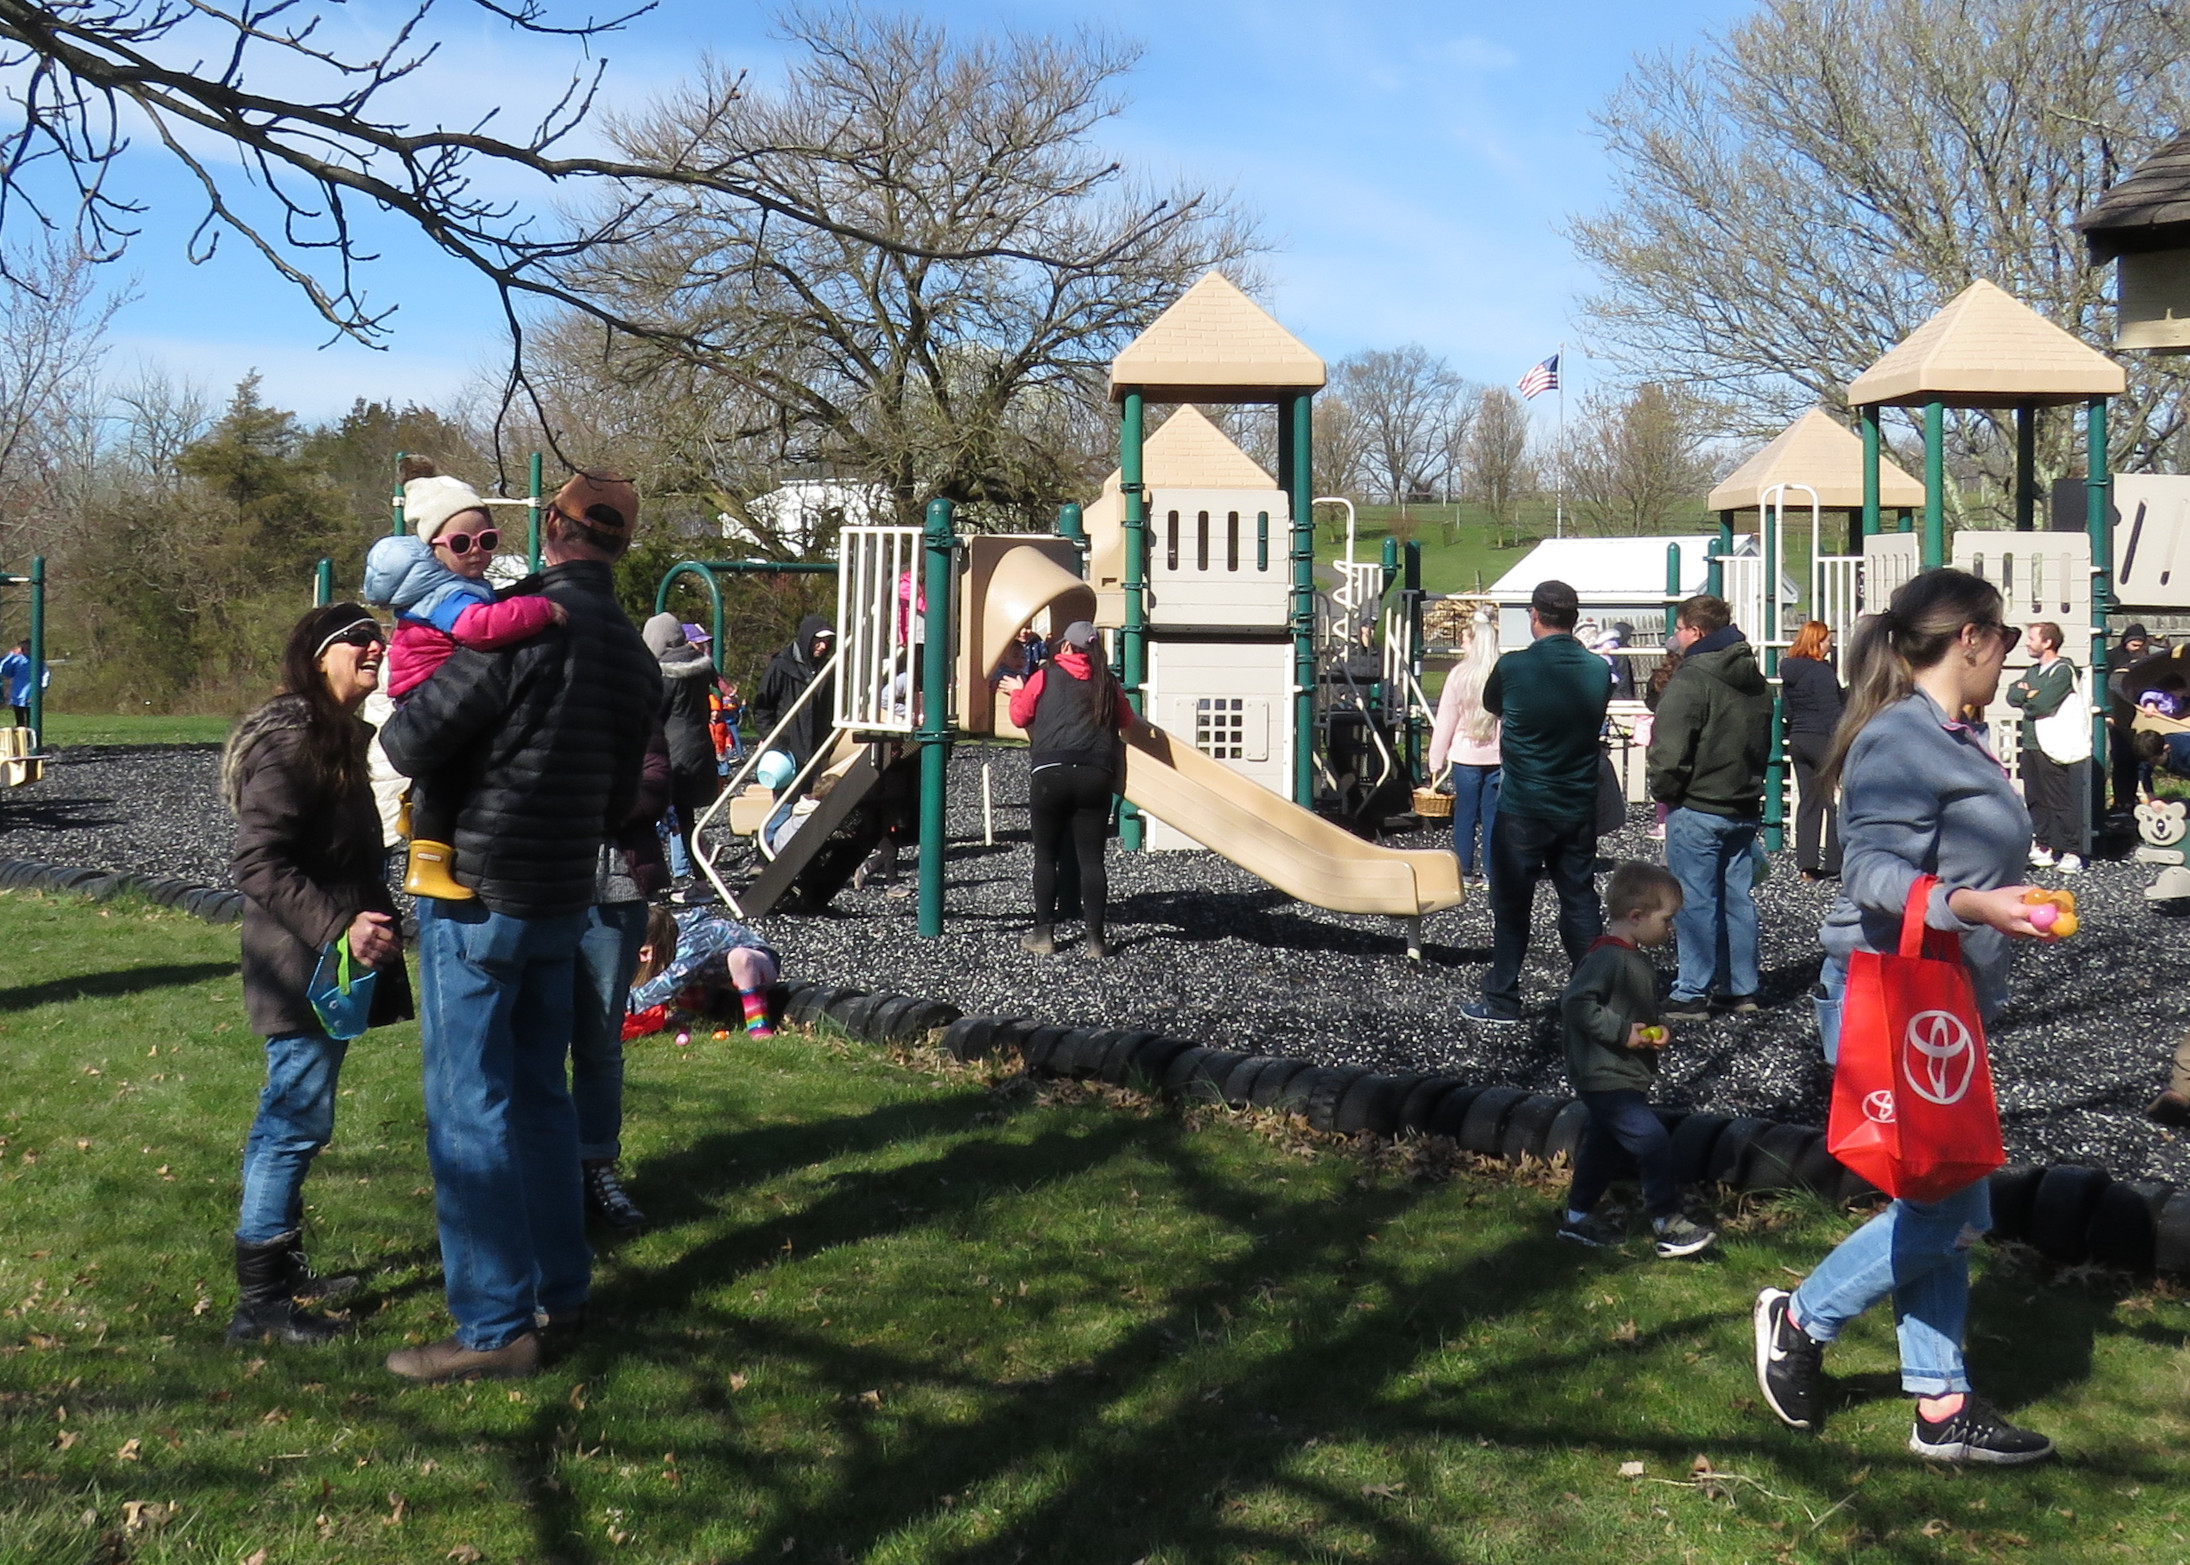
(1878, 1106)
(1940, 1057)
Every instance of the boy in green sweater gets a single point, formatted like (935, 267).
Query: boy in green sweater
(1609, 1016)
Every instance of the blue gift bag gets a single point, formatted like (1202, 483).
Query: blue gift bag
(343, 999)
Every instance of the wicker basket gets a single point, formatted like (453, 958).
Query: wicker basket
(1432, 805)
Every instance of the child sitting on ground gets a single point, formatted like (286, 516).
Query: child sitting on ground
(433, 578)
(687, 958)
(1609, 1016)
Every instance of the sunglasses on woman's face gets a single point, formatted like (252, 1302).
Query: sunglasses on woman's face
(460, 543)
(359, 636)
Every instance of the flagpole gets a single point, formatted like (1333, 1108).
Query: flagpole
(1559, 501)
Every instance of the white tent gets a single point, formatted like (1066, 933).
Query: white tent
(1616, 579)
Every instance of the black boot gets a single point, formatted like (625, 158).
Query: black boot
(265, 1310)
(304, 1283)
(607, 1199)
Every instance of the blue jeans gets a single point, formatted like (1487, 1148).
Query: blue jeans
(1474, 799)
(607, 957)
(1717, 923)
(1624, 1134)
(496, 1012)
(296, 1118)
(1918, 1251)
(680, 863)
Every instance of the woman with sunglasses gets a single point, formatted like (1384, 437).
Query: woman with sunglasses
(434, 577)
(1921, 795)
(311, 865)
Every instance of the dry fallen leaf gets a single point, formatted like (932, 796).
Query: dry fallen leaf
(1624, 1332)
(147, 1515)
(129, 1450)
(258, 1557)
(466, 1554)
(1383, 1491)
(870, 1399)
(738, 1382)
(578, 1396)
(397, 1506)
(1631, 1469)
(1934, 1528)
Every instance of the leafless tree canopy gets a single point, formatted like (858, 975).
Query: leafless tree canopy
(1411, 412)
(975, 265)
(1636, 461)
(52, 324)
(1497, 470)
(1801, 194)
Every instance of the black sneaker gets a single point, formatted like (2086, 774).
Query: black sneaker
(1596, 1231)
(1742, 1004)
(1480, 1011)
(1789, 1362)
(607, 1199)
(1978, 1434)
(1677, 1236)
(1696, 1010)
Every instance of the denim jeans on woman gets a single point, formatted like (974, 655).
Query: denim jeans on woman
(607, 957)
(501, 1133)
(1717, 924)
(1918, 1251)
(1474, 801)
(296, 1118)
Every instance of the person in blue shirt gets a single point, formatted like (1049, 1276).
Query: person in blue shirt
(15, 678)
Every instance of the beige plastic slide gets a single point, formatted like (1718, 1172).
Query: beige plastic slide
(1295, 850)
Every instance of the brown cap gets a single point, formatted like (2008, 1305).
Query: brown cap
(606, 502)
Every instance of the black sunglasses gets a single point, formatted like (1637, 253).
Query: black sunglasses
(358, 636)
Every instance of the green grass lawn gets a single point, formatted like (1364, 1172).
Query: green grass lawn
(896, 1311)
(65, 729)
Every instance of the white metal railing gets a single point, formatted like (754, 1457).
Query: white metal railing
(1741, 582)
(1836, 593)
(878, 618)
(739, 778)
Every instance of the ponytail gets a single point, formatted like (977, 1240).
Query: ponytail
(1887, 651)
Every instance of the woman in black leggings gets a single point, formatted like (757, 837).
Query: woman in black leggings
(1811, 696)
(1073, 712)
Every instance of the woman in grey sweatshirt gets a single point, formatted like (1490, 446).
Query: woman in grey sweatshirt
(1922, 794)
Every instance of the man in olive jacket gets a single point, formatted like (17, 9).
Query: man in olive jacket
(1708, 751)
(545, 741)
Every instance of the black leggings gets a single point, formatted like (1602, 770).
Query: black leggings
(1070, 801)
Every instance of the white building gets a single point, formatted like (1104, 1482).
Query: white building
(800, 510)
(1619, 579)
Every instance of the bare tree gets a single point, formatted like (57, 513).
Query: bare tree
(1498, 472)
(53, 323)
(1802, 193)
(1402, 399)
(1341, 446)
(873, 358)
(1635, 460)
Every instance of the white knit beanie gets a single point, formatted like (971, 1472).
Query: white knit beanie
(430, 503)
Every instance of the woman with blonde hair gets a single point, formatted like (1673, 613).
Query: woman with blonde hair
(1466, 736)
(1811, 696)
(1922, 795)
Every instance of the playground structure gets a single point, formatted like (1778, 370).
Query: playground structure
(22, 756)
(1220, 637)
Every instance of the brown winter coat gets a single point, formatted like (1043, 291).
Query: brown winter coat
(306, 865)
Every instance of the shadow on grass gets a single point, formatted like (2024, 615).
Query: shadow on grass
(113, 985)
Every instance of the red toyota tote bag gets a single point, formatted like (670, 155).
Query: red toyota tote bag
(1913, 1110)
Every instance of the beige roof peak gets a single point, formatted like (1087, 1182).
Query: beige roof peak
(1189, 452)
(1815, 450)
(1214, 344)
(1987, 349)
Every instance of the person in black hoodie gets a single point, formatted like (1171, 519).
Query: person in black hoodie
(1811, 695)
(688, 674)
(1073, 711)
(1707, 756)
(789, 672)
(2132, 647)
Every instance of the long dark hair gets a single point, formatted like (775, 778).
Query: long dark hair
(333, 748)
(1098, 670)
(1920, 626)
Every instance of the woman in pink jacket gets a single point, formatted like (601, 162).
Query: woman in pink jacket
(1466, 738)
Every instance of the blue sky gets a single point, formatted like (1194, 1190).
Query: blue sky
(1412, 164)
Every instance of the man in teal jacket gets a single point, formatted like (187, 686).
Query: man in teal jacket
(1550, 698)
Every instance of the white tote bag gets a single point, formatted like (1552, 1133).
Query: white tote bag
(2065, 733)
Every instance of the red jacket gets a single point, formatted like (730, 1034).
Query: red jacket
(1029, 695)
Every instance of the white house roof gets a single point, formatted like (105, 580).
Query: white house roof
(1619, 570)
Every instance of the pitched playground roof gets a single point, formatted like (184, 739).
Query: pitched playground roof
(1987, 349)
(1214, 345)
(1189, 452)
(2150, 210)
(1815, 450)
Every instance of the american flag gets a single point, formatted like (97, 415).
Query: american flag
(1544, 377)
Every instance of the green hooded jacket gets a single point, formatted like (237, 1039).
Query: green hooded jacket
(1713, 734)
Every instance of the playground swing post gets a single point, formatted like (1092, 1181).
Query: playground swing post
(532, 529)
(1867, 422)
(1296, 447)
(1071, 526)
(1134, 636)
(395, 501)
(941, 548)
(38, 650)
(2098, 514)
(323, 584)
(1411, 587)
(1935, 485)
(1672, 586)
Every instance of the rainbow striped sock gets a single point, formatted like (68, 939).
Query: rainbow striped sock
(756, 1013)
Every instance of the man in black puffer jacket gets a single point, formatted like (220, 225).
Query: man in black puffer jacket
(545, 741)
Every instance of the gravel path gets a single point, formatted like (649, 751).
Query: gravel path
(1210, 953)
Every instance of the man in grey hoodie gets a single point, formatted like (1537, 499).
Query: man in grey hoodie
(1707, 759)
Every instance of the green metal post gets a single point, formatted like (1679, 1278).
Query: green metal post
(2098, 518)
(38, 649)
(1672, 585)
(706, 574)
(1411, 585)
(1715, 574)
(395, 503)
(1131, 430)
(1867, 424)
(1904, 521)
(2026, 468)
(1299, 477)
(1071, 527)
(323, 584)
(935, 733)
(1388, 561)
(1775, 761)
(532, 533)
(1934, 553)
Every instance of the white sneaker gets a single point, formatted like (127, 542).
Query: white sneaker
(2071, 865)
(2041, 858)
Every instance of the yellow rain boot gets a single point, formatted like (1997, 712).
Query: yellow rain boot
(403, 816)
(428, 874)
